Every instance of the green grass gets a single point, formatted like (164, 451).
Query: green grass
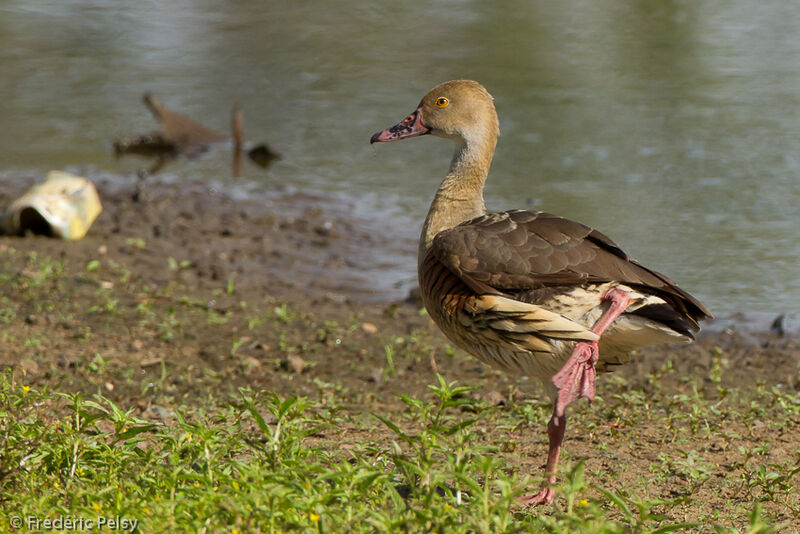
(122, 398)
(259, 462)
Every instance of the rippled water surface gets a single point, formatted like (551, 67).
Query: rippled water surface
(671, 126)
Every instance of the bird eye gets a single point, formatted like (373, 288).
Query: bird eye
(442, 102)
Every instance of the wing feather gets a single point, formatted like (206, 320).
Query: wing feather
(510, 253)
(521, 325)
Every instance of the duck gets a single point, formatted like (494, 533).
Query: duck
(528, 292)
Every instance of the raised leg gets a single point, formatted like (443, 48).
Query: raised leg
(574, 380)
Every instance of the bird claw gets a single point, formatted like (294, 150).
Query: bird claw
(542, 497)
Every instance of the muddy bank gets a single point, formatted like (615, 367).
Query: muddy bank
(269, 244)
(160, 246)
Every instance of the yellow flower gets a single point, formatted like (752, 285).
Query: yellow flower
(26, 389)
(313, 517)
(97, 507)
(236, 531)
(583, 502)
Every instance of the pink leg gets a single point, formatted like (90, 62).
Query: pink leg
(555, 432)
(574, 380)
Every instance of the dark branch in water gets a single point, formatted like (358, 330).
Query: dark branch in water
(180, 135)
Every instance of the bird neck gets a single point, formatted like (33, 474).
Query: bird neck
(460, 195)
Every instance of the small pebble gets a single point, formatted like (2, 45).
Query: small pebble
(29, 366)
(296, 363)
(495, 398)
(369, 328)
(252, 362)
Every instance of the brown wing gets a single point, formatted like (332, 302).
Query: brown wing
(514, 252)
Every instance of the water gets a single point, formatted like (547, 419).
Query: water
(670, 126)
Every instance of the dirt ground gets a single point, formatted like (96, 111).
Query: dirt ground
(185, 285)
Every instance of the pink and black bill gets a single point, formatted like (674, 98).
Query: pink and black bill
(411, 126)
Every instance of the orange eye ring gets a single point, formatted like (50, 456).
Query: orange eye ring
(441, 102)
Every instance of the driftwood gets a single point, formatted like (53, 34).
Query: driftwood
(185, 133)
(261, 155)
(180, 135)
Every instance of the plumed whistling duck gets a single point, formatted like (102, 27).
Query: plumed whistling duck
(528, 292)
